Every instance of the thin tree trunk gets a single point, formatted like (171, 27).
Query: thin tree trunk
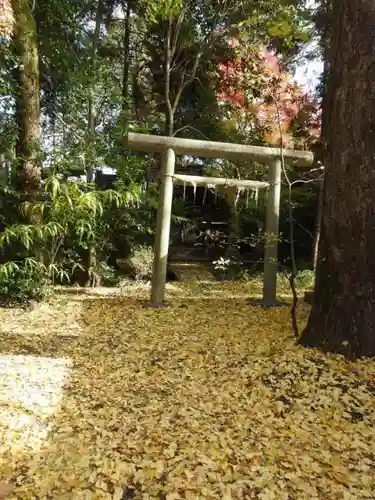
(318, 226)
(90, 160)
(169, 128)
(234, 230)
(326, 42)
(328, 57)
(27, 101)
(90, 163)
(342, 318)
(169, 113)
(170, 48)
(126, 65)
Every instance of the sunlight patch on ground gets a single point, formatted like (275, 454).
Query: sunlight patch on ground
(57, 317)
(30, 393)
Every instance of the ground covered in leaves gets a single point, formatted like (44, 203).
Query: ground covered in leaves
(210, 398)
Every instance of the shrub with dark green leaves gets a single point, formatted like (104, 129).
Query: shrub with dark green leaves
(305, 279)
(22, 285)
(140, 263)
(107, 274)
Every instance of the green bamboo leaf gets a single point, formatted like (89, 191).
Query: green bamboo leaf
(53, 186)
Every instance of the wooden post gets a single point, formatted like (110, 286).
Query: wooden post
(272, 235)
(163, 223)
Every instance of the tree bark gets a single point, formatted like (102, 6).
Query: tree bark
(126, 64)
(326, 15)
(27, 99)
(91, 265)
(90, 162)
(342, 318)
(318, 225)
(171, 41)
(168, 56)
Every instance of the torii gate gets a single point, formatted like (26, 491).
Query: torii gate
(169, 147)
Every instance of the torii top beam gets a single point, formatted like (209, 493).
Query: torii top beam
(210, 149)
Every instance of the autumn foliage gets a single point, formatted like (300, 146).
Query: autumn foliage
(257, 87)
(103, 399)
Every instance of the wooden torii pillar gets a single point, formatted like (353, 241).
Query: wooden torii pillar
(169, 147)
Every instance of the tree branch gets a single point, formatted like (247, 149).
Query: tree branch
(66, 125)
(187, 82)
(302, 181)
(192, 128)
(168, 57)
(178, 29)
(293, 311)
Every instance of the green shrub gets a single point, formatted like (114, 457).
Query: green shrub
(221, 268)
(21, 284)
(107, 274)
(243, 275)
(141, 262)
(305, 279)
(226, 269)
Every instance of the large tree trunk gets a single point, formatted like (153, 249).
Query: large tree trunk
(342, 318)
(28, 102)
